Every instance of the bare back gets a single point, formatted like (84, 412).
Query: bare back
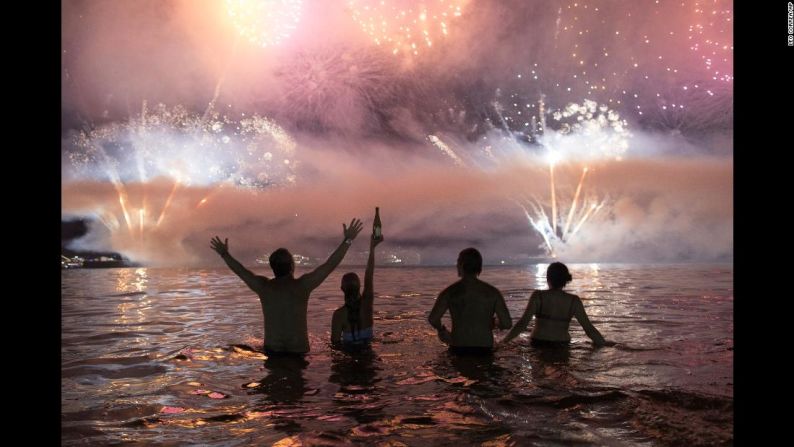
(285, 299)
(284, 303)
(553, 310)
(472, 304)
(553, 314)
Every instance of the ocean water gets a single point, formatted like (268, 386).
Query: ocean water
(161, 357)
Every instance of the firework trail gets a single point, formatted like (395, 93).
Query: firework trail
(445, 149)
(167, 203)
(573, 204)
(221, 80)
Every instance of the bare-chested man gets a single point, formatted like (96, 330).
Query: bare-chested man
(472, 304)
(285, 299)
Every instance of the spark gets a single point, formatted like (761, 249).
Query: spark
(265, 22)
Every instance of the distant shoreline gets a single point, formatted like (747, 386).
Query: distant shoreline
(258, 267)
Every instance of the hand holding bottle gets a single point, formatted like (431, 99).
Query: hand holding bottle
(377, 232)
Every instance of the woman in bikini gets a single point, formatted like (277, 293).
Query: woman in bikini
(351, 324)
(553, 310)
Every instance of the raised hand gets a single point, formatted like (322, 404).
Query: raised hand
(221, 247)
(352, 231)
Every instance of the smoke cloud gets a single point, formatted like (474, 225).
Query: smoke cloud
(361, 117)
(660, 210)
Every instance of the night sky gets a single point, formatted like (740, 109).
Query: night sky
(341, 104)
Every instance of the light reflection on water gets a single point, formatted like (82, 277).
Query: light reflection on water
(141, 347)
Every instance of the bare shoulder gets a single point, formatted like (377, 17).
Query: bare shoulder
(492, 290)
(452, 289)
(575, 298)
(306, 280)
(261, 282)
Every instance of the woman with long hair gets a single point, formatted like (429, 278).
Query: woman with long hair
(351, 324)
(553, 310)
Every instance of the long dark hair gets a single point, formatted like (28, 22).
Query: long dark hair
(557, 275)
(352, 303)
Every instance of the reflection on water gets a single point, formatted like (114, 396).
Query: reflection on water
(162, 356)
(284, 382)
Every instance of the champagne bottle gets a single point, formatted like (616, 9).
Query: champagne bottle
(376, 226)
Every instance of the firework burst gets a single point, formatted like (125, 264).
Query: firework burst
(265, 22)
(575, 138)
(186, 149)
(406, 26)
(339, 89)
(571, 143)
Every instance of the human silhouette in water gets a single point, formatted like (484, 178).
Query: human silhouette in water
(352, 324)
(472, 304)
(284, 298)
(553, 310)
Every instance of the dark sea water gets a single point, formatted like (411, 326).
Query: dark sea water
(149, 358)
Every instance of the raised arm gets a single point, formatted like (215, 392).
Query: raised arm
(589, 329)
(523, 322)
(316, 277)
(222, 248)
(369, 274)
(441, 306)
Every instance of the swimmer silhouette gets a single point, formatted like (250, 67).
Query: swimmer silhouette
(352, 324)
(553, 310)
(284, 298)
(472, 304)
